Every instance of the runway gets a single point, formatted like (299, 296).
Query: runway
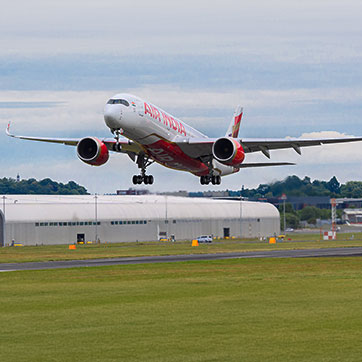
(310, 253)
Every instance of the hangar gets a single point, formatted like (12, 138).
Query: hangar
(53, 219)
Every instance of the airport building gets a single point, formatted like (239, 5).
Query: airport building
(53, 219)
(352, 216)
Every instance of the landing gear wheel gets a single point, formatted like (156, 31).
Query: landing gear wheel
(138, 179)
(216, 180)
(148, 180)
(205, 180)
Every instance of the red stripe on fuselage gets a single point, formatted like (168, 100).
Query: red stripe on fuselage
(171, 155)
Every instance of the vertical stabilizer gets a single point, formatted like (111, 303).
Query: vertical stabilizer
(233, 130)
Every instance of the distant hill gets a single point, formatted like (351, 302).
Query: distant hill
(34, 187)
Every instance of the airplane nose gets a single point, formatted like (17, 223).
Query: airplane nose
(113, 116)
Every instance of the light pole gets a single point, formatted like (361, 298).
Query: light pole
(284, 217)
(96, 215)
(166, 215)
(284, 197)
(241, 208)
(3, 226)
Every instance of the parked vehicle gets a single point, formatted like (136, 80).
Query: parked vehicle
(205, 239)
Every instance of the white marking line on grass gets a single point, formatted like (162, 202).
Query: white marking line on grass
(4, 271)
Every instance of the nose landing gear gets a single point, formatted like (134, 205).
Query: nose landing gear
(215, 180)
(118, 132)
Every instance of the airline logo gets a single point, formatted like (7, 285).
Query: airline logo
(233, 130)
(236, 126)
(166, 119)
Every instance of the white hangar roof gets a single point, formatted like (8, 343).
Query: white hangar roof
(35, 208)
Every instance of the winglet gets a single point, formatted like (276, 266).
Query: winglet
(233, 130)
(8, 129)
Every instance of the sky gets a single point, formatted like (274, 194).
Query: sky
(296, 67)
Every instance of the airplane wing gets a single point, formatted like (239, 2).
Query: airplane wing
(201, 147)
(127, 145)
(247, 165)
(264, 145)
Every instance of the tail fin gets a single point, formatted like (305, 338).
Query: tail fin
(233, 130)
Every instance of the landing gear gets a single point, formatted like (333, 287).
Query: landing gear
(143, 162)
(138, 179)
(118, 132)
(215, 180)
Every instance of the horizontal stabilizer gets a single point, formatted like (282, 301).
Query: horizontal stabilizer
(246, 165)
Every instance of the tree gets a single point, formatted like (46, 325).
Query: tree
(292, 221)
(288, 208)
(333, 185)
(45, 186)
(309, 213)
(352, 189)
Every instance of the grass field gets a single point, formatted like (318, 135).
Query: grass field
(61, 252)
(231, 310)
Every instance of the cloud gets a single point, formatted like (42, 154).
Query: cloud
(69, 112)
(199, 98)
(308, 32)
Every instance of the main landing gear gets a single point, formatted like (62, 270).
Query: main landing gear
(215, 180)
(138, 179)
(143, 162)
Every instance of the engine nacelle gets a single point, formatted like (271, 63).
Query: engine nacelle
(228, 151)
(92, 151)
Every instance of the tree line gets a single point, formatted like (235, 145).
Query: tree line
(43, 187)
(294, 186)
(310, 214)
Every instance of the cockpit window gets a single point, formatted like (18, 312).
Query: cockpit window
(118, 101)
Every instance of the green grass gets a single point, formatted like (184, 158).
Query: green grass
(61, 252)
(231, 310)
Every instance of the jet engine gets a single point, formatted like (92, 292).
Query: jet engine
(92, 151)
(228, 151)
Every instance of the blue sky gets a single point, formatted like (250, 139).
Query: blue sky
(296, 67)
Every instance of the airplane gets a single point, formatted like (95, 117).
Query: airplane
(150, 134)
